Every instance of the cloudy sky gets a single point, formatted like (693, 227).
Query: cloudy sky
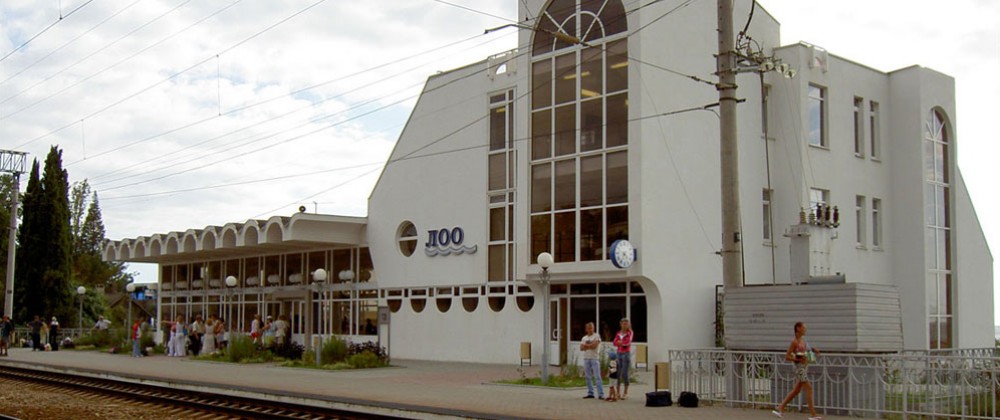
(187, 113)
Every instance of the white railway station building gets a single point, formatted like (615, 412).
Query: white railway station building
(565, 148)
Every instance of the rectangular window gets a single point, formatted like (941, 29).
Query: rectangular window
(873, 129)
(859, 127)
(766, 213)
(859, 215)
(818, 197)
(876, 223)
(817, 116)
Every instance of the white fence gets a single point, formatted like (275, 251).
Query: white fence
(909, 385)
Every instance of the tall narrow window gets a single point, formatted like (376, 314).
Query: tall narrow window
(859, 215)
(859, 127)
(501, 167)
(817, 116)
(937, 213)
(876, 223)
(766, 213)
(873, 123)
(818, 197)
(579, 130)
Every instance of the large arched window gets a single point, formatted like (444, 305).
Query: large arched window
(579, 130)
(937, 214)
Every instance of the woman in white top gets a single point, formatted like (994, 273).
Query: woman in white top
(208, 341)
(178, 342)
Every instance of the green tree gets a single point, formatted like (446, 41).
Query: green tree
(89, 269)
(44, 268)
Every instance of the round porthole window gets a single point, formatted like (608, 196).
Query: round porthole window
(406, 236)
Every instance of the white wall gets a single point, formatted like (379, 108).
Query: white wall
(973, 298)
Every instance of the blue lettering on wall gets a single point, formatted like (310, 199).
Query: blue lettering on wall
(447, 242)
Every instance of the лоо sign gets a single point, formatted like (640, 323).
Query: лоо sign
(447, 242)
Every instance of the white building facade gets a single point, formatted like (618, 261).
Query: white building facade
(566, 147)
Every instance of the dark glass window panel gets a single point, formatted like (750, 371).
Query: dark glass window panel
(541, 134)
(418, 304)
(565, 78)
(591, 125)
(617, 224)
(498, 128)
(541, 235)
(498, 171)
(569, 28)
(541, 187)
(341, 261)
(638, 318)
(443, 304)
(617, 180)
(565, 132)
(497, 224)
(591, 235)
(636, 288)
(816, 107)
(498, 98)
(366, 265)
(408, 231)
(544, 41)
(394, 305)
(591, 73)
(565, 184)
(497, 302)
(583, 289)
(510, 222)
(525, 303)
(617, 110)
(407, 247)
(617, 65)
(557, 289)
(564, 236)
(613, 18)
(590, 29)
(470, 303)
(591, 181)
(496, 263)
(612, 311)
(945, 325)
(541, 84)
(581, 311)
(618, 287)
(510, 262)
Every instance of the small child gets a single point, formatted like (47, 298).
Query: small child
(612, 374)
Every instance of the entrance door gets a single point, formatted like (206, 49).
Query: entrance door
(558, 335)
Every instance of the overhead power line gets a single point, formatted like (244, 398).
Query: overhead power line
(61, 17)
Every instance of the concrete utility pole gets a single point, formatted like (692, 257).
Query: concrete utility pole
(13, 163)
(732, 256)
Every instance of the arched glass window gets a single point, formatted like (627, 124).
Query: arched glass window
(579, 130)
(406, 235)
(937, 214)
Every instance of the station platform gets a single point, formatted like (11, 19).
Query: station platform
(412, 389)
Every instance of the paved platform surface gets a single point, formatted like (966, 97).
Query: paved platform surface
(419, 389)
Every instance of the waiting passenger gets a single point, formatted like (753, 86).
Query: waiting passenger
(255, 329)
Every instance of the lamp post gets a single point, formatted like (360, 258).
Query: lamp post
(319, 276)
(231, 282)
(130, 288)
(545, 261)
(347, 276)
(80, 291)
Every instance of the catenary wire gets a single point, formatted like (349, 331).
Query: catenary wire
(174, 75)
(67, 43)
(61, 17)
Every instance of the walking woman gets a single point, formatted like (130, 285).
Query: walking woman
(623, 342)
(801, 354)
(179, 338)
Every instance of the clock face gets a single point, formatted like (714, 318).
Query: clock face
(622, 253)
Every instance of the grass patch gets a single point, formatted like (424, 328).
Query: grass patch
(555, 381)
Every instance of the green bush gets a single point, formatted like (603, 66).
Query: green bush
(333, 351)
(241, 347)
(365, 360)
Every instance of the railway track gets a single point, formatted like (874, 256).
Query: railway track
(172, 403)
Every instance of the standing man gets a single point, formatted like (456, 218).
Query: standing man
(36, 334)
(590, 346)
(6, 335)
(101, 324)
(197, 330)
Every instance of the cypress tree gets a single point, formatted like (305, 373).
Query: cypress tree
(44, 267)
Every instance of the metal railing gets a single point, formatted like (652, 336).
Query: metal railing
(909, 385)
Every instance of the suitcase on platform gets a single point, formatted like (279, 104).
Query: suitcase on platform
(688, 399)
(659, 399)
